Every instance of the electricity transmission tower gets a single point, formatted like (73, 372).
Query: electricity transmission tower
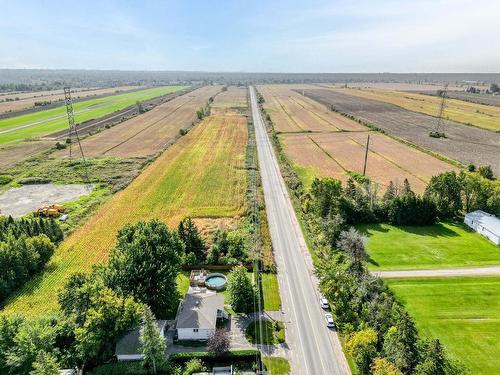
(73, 131)
(437, 133)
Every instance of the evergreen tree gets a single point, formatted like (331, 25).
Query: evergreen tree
(153, 345)
(241, 292)
(390, 193)
(190, 236)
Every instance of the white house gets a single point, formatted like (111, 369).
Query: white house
(198, 314)
(127, 348)
(484, 223)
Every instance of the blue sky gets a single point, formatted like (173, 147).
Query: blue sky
(253, 36)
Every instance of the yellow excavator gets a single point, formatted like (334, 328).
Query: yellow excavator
(54, 210)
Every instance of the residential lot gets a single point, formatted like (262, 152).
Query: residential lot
(463, 313)
(443, 245)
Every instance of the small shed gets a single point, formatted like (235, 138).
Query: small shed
(128, 347)
(485, 224)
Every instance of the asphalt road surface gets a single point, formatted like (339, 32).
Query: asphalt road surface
(315, 348)
(448, 272)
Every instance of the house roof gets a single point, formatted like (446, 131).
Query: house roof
(199, 310)
(129, 343)
(487, 221)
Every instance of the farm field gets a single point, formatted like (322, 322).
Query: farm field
(231, 101)
(41, 123)
(444, 245)
(483, 116)
(475, 98)
(202, 175)
(10, 154)
(28, 99)
(292, 112)
(337, 154)
(466, 144)
(322, 143)
(150, 132)
(463, 313)
(401, 86)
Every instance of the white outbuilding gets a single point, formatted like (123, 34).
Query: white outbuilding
(484, 223)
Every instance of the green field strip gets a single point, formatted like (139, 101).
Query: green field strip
(41, 123)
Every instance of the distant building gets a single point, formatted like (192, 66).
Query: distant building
(198, 314)
(128, 347)
(484, 223)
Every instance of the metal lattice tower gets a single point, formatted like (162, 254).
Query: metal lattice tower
(72, 130)
(444, 94)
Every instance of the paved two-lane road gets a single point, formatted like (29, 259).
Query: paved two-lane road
(315, 349)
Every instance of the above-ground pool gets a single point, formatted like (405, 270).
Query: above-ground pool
(215, 281)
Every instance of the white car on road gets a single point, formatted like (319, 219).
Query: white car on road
(323, 302)
(329, 321)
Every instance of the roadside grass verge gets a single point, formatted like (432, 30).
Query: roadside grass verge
(276, 365)
(273, 332)
(430, 247)
(463, 313)
(271, 293)
(52, 120)
(202, 175)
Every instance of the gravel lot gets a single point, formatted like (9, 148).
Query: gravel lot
(464, 143)
(20, 201)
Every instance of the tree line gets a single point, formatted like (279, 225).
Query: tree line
(25, 247)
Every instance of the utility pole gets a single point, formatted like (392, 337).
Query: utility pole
(366, 153)
(72, 129)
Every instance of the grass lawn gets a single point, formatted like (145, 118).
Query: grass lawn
(438, 246)
(464, 313)
(273, 332)
(52, 120)
(276, 365)
(271, 292)
(201, 175)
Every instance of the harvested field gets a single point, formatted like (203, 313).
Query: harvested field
(292, 112)
(150, 132)
(12, 154)
(470, 97)
(28, 99)
(41, 123)
(401, 86)
(483, 116)
(201, 175)
(234, 100)
(335, 154)
(465, 144)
